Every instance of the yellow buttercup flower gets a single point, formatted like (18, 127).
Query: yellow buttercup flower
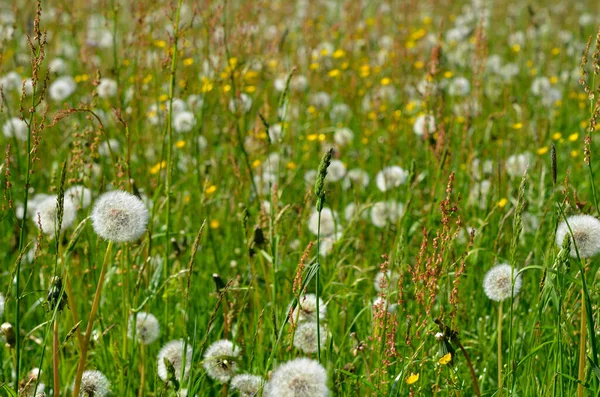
(413, 378)
(445, 359)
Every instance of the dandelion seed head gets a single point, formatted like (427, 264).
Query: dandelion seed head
(147, 328)
(46, 214)
(220, 360)
(301, 377)
(336, 171)
(62, 88)
(308, 309)
(79, 195)
(586, 233)
(246, 384)
(184, 121)
(390, 177)
(15, 127)
(119, 216)
(173, 352)
(424, 124)
(94, 384)
(329, 221)
(107, 88)
(497, 282)
(305, 337)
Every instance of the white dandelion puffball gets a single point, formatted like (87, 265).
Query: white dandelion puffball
(184, 121)
(586, 233)
(46, 214)
(301, 377)
(119, 216)
(107, 88)
(173, 352)
(386, 212)
(246, 384)
(178, 106)
(517, 164)
(357, 178)
(308, 309)
(498, 284)
(241, 104)
(94, 383)
(15, 127)
(390, 177)
(79, 195)
(220, 360)
(62, 88)
(275, 132)
(424, 124)
(329, 222)
(305, 337)
(106, 147)
(336, 171)
(459, 86)
(146, 329)
(343, 136)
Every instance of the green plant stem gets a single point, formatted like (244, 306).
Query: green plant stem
(55, 353)
(169, 143)
(582, 336)
(500, 350)
(317, 286)
(90, 324)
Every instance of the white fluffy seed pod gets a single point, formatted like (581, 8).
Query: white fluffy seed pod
(498, 282)
(301, 377)
(390, 177)
(184, 121)
(119, 216)
(305, 337)
(81, 196)
(15, 127)
(46, 215)
(146, 329)
(308, 309)
(586, 233)
(62, 88)
(329, 222)
(173, 352)
(246, 384)
(94, 383)
(220, 360)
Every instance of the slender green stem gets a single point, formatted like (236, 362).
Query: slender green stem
(317, 294)
(169, 143)
(582, 357)
(500, 350)
(90, 323)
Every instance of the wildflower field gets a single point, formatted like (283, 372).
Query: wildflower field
(300, 198)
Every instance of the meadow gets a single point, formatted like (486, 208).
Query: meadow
(301, 198)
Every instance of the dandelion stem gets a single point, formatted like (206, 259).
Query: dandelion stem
(582, 336)
(90, 324)
(500, 350)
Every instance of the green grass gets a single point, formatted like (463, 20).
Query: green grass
(221, 253)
